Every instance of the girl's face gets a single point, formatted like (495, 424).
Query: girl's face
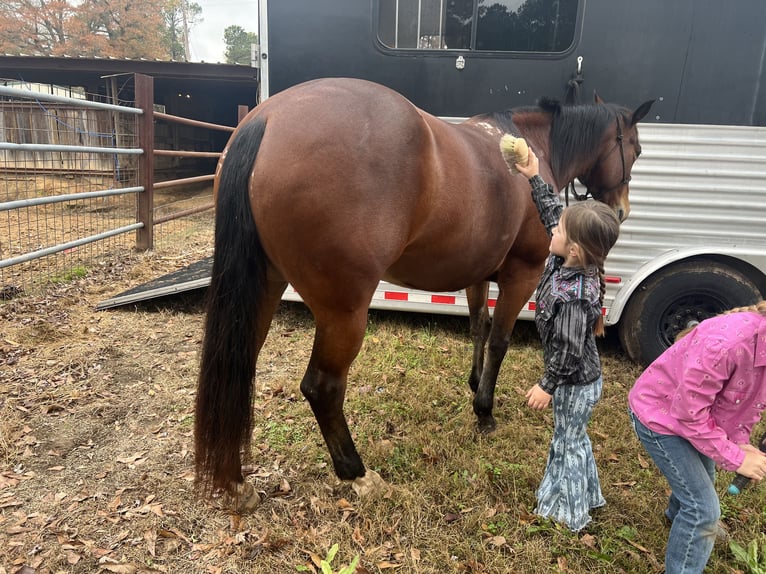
(559, 243)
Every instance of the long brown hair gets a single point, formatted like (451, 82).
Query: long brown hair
(594, 226)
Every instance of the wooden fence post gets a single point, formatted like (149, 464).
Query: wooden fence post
(144, 87)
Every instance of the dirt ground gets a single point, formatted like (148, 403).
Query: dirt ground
(96, 450)
(95, 410)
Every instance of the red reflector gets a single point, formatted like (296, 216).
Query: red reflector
(445, 299)
(532, 306)
(395, 296)
(491, 303)
(612, 279)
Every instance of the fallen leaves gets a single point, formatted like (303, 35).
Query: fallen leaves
(588, 540)
(497, 541)
(10, 478)
(134, 459)
(119, 568)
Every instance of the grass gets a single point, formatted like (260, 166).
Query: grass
(76, 272)
(96, 450)
(464, 500)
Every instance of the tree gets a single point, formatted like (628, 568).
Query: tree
(119, 28)
(180, 16)
(34, 27)
(152, 29)
(238, 44)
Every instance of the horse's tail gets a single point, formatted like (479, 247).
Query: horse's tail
(223, 414)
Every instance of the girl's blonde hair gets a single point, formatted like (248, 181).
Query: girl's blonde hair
(594, 226)
(759, 307)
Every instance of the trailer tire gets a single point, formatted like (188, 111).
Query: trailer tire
(677, 298)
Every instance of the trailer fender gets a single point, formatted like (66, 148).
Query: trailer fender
(671, 257)
(679, 294)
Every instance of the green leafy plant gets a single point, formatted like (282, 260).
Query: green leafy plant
(753, 557)
(326, 563)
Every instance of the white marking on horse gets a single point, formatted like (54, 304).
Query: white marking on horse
(489, 128)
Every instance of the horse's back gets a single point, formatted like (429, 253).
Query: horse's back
(351, 175)
(334, 139)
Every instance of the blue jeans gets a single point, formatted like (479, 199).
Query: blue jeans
(693, 507)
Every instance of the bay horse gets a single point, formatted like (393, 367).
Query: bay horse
(336, 184)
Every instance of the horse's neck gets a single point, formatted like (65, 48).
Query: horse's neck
(535, 129)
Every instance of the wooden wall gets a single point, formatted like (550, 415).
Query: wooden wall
(65, 124)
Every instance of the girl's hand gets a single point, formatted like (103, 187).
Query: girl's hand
(749, 447)
(537, 398)
(754, 465)
(532, 168)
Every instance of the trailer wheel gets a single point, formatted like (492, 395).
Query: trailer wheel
(677, 298)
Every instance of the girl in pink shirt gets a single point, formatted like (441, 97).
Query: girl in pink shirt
(693, 408)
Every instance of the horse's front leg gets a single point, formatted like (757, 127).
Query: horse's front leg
(480, 324)
(499, 339)
(514, 293)
(337, 341)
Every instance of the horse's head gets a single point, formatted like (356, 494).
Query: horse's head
(597, 144)
(609, 177)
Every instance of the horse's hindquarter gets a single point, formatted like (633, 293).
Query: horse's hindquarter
(334, 187)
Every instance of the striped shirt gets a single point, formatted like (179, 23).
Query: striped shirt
(567, 307)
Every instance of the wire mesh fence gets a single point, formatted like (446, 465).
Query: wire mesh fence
(59, 185)
(69, 182)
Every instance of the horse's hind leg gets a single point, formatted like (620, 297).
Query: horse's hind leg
(244, 497)
(338, 338)
(480, 325)
(271, 297)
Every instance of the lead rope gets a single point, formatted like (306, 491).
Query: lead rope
(577, 196)
(574, 85)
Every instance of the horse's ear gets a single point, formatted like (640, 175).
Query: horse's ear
(597, 99)
(642, 110)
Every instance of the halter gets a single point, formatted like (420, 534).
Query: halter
(625, 179)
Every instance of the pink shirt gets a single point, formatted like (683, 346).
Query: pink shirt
(709, 387)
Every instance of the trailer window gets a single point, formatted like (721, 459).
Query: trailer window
(491, 25)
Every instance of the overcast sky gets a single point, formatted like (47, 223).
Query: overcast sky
(206, 38)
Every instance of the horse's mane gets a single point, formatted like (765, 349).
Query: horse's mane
(576, 129)
(504, 119)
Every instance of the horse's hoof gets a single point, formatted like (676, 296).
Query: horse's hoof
(244, 498)
(367, 484)
(487, 425)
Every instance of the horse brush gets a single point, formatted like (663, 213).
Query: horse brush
(514, 150)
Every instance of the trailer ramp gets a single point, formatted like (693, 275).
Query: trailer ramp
(387, 296)
(191, 277)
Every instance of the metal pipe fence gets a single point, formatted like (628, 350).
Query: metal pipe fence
(77, 185)
(68, 185)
